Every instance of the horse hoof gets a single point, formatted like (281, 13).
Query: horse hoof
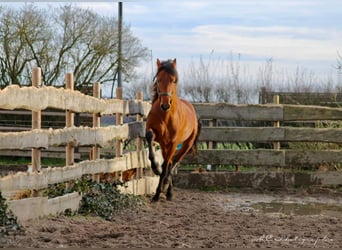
(155, 199)
(169, 197)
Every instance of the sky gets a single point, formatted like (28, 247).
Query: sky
(292, 33)
(301, 33)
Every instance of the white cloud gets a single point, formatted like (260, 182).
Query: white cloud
(297, 43)
(103, 8)
(305, 32)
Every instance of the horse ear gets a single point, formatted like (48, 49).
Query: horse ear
(158, 63)
(174, 63)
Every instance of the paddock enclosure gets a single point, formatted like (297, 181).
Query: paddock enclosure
(37, 98)
(274, 138)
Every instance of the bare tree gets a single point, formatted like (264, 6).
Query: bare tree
(219, 81)
(20, 31)
(70, 40)
(339, 62)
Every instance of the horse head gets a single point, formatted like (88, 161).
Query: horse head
(165, 86)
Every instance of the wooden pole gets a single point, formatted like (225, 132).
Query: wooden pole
(36, 120)
(96, 119)
(276, 124)
(139, 141)
(119, 121)
(95, 154)
(69, 121)
(276, 145)
(212, 144)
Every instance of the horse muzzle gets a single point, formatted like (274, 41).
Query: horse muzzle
(165, 107)
(165, 101)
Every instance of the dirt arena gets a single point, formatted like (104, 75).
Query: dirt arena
(194, 219)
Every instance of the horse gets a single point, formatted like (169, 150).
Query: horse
(172, 122)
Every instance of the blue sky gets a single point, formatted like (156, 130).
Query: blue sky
(301, 33)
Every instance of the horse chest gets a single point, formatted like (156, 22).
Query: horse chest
(167, 131)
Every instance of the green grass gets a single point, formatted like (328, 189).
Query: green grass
(13, 160)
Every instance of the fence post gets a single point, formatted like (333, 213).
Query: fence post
(69, 121)
(212, 144)
(119, 121)
(36, 121)
(95, 150)
(276, 124)
(96, 119)
(139, 141)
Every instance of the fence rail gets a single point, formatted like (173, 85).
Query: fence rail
(266, 112)
(260, 133)
(39, 98)
(265, 126)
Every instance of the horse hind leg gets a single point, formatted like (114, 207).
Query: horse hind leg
(154, 164)
(169, 192)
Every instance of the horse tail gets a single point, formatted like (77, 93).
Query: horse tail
(194, 146)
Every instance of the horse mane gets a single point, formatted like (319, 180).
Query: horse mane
(168, 67)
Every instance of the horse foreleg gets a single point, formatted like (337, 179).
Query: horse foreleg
(166, 177)
(154, 164)
(162, 180)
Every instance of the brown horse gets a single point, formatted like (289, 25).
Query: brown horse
(172, 122)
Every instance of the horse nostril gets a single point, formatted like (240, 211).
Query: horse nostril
(165, 107)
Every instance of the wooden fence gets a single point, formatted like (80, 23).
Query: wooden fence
(266, 127)
(331, 99)
(278, 146)
(273, 115)
(37, 98)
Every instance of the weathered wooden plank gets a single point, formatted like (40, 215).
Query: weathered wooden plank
(36, 99)
(79, 136)
(313, 113)
(29, 180)
(258, 157)
(313, 135)
(31, 208)
(252, 112)
(137, 107)
(309, 157)
(269, 134)
(242, 134)
(305, 98)
(266, 112)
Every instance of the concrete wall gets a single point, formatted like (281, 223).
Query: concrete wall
(256, 180)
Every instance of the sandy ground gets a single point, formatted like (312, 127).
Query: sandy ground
(193, 219)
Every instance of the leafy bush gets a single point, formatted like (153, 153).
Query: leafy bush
(8, 221)
(101, 199)
(105, 200)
